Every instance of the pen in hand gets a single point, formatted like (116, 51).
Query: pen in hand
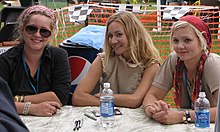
(89, 116)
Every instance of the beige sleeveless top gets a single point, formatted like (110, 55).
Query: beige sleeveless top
(124, 77)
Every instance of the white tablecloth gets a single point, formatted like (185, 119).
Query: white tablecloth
(132, 120)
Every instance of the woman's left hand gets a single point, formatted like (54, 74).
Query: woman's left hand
(169, 117)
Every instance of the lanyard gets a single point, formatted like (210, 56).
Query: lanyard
(28, 76)
(187, 86)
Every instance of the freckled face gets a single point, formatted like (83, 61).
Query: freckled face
(117, 38)
(186, 44)
(36, 41)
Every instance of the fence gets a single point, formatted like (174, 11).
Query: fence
(153, 19)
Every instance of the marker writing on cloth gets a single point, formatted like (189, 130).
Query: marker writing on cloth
(89, 116)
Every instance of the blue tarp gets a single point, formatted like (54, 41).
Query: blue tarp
(91, 35)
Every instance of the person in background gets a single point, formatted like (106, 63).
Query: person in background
(190, 68)
(38, 74)
(129, 62)
(9, 118)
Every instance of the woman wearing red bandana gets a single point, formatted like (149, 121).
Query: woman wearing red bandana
(190, 68)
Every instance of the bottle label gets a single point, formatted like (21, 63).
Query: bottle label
(107, 109)
(202, 119)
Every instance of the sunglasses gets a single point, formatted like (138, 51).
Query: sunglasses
(43, 32)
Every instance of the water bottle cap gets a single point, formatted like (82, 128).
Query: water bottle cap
(202, 94)
(106, 85)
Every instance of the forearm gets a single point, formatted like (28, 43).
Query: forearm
(85, 99)
(42, 97)
(19, 107)
(149, 99)
(154, 94)
(127, 100)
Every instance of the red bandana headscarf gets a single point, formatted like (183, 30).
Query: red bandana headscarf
(178, 74)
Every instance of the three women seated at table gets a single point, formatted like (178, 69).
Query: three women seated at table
(129, 63)
(38, 74)
(190, 68)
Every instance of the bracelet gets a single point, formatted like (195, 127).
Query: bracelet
(21, 98)
(26, 108)
(16, 98)
(186, 117)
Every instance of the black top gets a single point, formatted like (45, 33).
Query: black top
(9, 119)
(54, 72)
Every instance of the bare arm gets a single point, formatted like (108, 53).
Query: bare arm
(135, 100)
(47, 108)
(154, 94)
(42, 97)
(174, 116)
(82, 95)
(43, 104)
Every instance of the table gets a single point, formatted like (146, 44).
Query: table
(132, 120)
(4, 46)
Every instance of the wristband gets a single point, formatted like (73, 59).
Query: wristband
(26, 108)
(16, 98)
(186, 117)
(21, 98)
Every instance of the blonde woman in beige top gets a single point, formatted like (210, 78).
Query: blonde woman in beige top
(129, 63)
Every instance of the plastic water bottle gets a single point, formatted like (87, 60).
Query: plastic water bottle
(107, 106)
(202, 114)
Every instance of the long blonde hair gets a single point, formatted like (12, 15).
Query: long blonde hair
(141, 48)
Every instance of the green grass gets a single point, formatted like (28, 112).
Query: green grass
(54, 5)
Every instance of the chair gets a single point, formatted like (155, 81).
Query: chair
(27, 3)
(10, 14)
(6, 32)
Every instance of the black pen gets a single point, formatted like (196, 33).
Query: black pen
(89, 116)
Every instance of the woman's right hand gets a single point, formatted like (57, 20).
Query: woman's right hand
(47, 108)
(156, 107)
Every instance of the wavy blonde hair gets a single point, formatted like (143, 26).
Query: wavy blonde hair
(141, 47)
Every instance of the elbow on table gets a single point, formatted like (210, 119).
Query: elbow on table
(76, 100)
(56, 98)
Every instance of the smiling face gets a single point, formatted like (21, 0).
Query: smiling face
(118, 39)
(35, 41)
(186, 44)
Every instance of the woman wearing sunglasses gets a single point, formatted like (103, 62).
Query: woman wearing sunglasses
(38, 74)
